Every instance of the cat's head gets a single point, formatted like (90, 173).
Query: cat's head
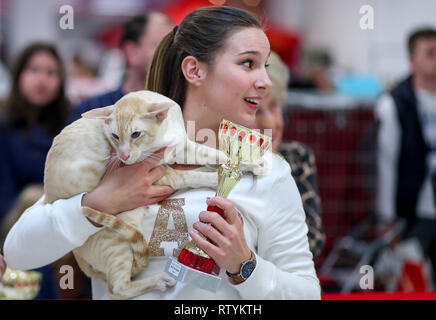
(132, 124)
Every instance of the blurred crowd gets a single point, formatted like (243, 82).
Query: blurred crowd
(41, 95)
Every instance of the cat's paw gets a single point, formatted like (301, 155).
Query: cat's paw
(259, 167)
(222, 157)
(164, 280)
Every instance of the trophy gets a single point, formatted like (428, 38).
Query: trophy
(20, 285)
(240, 144)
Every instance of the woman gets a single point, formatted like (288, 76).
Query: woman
(213, 65)
(299, 156)
(33, 114)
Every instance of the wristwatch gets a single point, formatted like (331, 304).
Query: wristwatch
(246, 270)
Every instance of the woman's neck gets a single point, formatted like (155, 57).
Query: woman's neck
(200, 123)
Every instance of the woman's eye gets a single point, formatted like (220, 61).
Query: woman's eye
(135, 134)
(115, 136)
(33, 69)
(248, 63)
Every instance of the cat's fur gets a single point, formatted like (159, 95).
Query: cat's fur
(80, 156)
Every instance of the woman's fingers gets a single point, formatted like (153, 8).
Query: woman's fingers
(160, 191)
(211, 249)
(231, 215)
(125, 188)
(218, 222)
(157, 173)
(225, 241)
(152, 160)
(215, 234)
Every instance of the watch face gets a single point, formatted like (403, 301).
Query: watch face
(247, 269)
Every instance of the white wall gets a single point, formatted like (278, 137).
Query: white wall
(289, 13)
(30, 21)
(334, 24)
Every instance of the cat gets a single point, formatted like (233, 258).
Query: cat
(139, 124)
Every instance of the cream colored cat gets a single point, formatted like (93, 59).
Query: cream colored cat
(139, 124)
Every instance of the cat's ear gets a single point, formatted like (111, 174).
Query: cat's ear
(99, 113)
(158, 111)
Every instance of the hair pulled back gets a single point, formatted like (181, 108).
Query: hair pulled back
(201, 34)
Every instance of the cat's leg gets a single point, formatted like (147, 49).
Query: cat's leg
(258, 167)
(127, 231)
(195, 153)
(86, 267)
(178, 179)
(119, 278)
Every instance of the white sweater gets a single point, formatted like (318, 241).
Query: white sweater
(274, 227)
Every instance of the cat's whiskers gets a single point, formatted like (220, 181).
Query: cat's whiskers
(114, 163)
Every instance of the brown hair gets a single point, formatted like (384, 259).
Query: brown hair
(137, 26)
(423, 33)
(201, 34)
(52, 117)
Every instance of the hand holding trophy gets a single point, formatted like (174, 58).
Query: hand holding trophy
(240, 144)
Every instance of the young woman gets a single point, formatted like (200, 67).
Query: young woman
(213, 65)
(33, 114)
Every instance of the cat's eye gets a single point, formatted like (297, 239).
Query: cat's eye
(135, 134)
(115, 136)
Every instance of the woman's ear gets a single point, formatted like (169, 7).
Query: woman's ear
(194, 70)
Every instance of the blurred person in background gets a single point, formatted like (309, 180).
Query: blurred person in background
(2, 266)
(4, 81)
(35, 111)
(407, 146)
(299, 156)
(141, 35)
(5, 78)
(83, 59)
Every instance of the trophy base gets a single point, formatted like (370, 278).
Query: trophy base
(187, 275)
(202, 263)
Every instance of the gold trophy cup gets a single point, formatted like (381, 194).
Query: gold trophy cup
(240, 144)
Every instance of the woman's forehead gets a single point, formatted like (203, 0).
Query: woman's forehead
(248, 41)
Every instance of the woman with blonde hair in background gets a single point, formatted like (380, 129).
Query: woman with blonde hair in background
(299, 156)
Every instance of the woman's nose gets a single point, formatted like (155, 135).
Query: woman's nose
(263, 82)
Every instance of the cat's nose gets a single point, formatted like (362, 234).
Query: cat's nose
(124, 156)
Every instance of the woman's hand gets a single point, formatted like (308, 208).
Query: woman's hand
(129, 187)
(226, 245)
(2, 266)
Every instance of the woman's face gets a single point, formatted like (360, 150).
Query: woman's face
(270, 116)
(40, 80)
(237, 80)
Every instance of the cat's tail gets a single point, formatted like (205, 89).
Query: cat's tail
(140, 249)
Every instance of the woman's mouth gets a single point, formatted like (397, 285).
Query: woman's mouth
(252, 103)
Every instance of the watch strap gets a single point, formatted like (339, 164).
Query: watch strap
(236, 278)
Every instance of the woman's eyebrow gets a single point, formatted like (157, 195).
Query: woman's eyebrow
(249, 52)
